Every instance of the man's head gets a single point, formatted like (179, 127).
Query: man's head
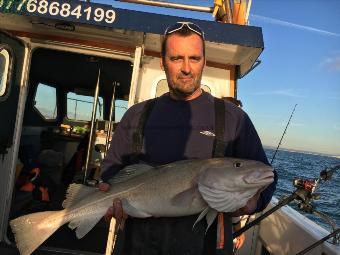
(183, 60)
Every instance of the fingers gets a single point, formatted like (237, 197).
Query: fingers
(249, 208)
(239, 241)
(116, 210)
(109, 214)
(103, 186)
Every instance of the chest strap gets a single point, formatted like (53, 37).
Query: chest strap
(224, 239)
(138, 135)
(219, 144)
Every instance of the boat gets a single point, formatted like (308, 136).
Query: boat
(71, 68)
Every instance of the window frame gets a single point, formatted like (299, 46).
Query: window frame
(56, 103)
(7, 84)
(78, 120)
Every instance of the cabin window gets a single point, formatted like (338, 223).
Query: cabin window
(46, 101)
(4, 70)
(79, 107)
(162, 88)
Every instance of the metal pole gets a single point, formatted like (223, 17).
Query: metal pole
(94, 111)
(171, 5)
(227, 6)
(112, 107)
(75, 110)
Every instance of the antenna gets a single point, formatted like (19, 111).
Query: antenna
(284, 132)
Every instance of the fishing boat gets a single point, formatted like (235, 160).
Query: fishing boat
(70, 69)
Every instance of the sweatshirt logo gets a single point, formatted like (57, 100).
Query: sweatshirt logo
(207, 133)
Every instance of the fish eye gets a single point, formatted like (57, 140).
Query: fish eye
(237, 164)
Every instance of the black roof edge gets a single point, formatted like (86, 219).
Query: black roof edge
(216, 32)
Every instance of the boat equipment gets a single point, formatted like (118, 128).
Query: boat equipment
(304, 195)
(93, 118)
(112, 107)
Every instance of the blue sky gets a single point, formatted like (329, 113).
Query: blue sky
(300, 65)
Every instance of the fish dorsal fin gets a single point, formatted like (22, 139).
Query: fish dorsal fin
(130, 172)
(75, 193)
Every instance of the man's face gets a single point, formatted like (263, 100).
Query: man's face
(183, 65)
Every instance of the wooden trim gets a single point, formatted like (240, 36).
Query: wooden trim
(233, 83)
(98, 44)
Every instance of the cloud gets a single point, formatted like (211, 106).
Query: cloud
(293, 25)
(279, 92)
(332, 63)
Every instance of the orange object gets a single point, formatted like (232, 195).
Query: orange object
(44, 194)
(220, 225)
(29, 187)
(239, 13)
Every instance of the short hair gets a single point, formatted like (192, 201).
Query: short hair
(184, 32)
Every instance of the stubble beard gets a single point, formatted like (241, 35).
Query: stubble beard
(181, 90)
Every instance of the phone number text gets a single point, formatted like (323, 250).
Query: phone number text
(66, 10)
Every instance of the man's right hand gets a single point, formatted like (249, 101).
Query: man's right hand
(116, 210)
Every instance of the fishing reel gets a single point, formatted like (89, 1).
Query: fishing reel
(306, 189)
(305, 194)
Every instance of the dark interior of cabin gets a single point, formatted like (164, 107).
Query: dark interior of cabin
(55, 134)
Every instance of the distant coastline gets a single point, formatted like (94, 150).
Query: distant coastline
(302, 151)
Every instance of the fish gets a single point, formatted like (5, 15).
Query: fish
(186, 187)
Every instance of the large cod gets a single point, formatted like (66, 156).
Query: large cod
(177, 189)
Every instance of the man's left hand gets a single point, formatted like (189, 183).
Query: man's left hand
(249, 208)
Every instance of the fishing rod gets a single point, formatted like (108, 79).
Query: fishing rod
(284, 132)
(304, 194)
(333, 234)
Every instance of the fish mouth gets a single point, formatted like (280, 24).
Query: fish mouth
(257, 177)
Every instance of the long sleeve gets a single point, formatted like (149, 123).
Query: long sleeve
(120, 149)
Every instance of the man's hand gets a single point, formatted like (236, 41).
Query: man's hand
(116, 210)
(239, 241)
(249, 208)
(103, 186)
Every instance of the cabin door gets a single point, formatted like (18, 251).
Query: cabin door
(14, 62)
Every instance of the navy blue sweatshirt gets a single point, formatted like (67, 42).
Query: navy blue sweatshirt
(178, 130)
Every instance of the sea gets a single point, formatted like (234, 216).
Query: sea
(292, 165)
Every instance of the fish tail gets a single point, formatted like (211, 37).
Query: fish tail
(32, 230)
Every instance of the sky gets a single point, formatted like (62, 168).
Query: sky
(299, 65)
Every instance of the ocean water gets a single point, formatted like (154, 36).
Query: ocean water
(291, 165)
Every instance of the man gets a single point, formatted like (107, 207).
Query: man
(180, 125)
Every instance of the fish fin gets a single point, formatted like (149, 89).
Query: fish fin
(225, 201)
(132, 211)
(31, 230)
(210, 217)
(75, 193)
(186, 197)
(201, 216)
(84, 226)
(130, 172)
